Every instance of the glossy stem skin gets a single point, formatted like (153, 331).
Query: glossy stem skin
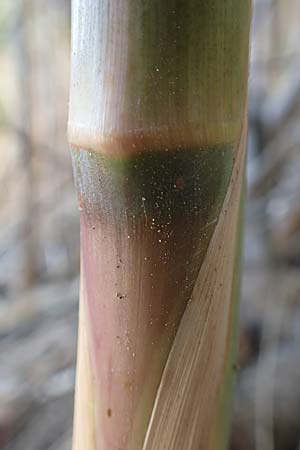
(149, 74)
(157, 101)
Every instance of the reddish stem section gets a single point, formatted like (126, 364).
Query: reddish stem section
(146, 222)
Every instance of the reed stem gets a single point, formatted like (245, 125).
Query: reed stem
(157, 133)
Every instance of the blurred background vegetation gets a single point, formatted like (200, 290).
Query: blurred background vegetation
(39, 233)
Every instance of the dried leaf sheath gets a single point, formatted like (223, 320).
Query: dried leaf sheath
(158, 93)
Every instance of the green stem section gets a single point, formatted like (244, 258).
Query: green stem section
(169, 73)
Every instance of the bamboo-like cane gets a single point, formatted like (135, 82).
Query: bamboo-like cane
(157, 132)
